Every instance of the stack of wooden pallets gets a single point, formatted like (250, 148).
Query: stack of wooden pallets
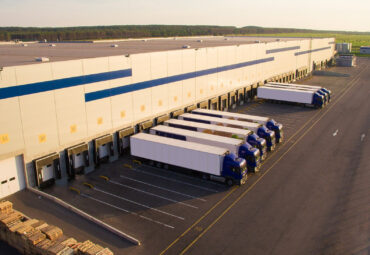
(32, 236)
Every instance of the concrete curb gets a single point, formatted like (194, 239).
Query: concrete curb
(87, 216)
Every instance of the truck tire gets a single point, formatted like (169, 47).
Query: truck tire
(229, 182)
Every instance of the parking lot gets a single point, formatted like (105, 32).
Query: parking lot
(166, 210)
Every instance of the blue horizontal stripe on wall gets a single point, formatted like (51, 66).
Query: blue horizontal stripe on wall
(282, 49)
(309, 51)
(44, 86)
(100, 94)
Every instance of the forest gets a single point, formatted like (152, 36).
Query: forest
(136, 31)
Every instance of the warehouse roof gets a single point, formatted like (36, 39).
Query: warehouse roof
(13, 54)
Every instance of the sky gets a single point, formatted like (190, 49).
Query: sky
(345, 15)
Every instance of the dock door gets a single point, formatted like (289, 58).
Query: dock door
(47, 169)
(12, 176)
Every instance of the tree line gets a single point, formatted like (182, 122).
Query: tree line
(132, 31)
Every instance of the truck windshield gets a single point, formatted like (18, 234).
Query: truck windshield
(243, 166)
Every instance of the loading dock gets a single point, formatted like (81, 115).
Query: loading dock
(213, 103)
(144, 126)
(203, 105)
(161, 119)
(223, 104)
(77, 158)
(176, 113)
(103, 149)
(190, 108)
(124, 139)
(47, 170)
(12, 175)
(232, 99)
(248, 93)
(241, 96)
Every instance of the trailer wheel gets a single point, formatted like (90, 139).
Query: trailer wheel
(229, 182)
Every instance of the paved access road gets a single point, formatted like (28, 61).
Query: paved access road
(314, 197)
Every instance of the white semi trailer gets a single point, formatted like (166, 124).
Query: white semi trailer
(322, 89)
(259, 129)
(239, 147)
(291, 95)
(214, 162)
(238, 133)
(268, 122)
(284, 86)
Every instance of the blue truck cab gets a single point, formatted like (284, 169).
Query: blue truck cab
(246, 151)
(318, 100)
(277, 128)
(328, 92)
(252, 155)
(325, 95)
(259, 143)
(268, 135)
(234, 170)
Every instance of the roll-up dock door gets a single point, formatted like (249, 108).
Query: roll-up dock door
(124, 140)
(47, 169)
(11, 175)
(103, 149)
(240, 96)
(224, 102)
(232, 99)
(77, 158)
(213, 103)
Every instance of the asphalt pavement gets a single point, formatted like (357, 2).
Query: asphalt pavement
(315, 195)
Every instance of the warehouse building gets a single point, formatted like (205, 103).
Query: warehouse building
(76, 106)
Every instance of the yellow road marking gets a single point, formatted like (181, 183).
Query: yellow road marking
(254, 184)
(201, 218)
(349, 85)
(88, 185)
(104, 177)
(127, 165)
(74, 189)
(137, 161)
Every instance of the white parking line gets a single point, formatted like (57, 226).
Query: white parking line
(174, 180)
(335, 133)
(158, 187)
(126, 211)
(363, 137)
(136, 203)
(151, 194)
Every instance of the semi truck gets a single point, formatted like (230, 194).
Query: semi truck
(213, 162)
(236, 146)
(324, 90)
(304, 97)
(268, 122)
(243, 134)
(261, 130)
(324, 94)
